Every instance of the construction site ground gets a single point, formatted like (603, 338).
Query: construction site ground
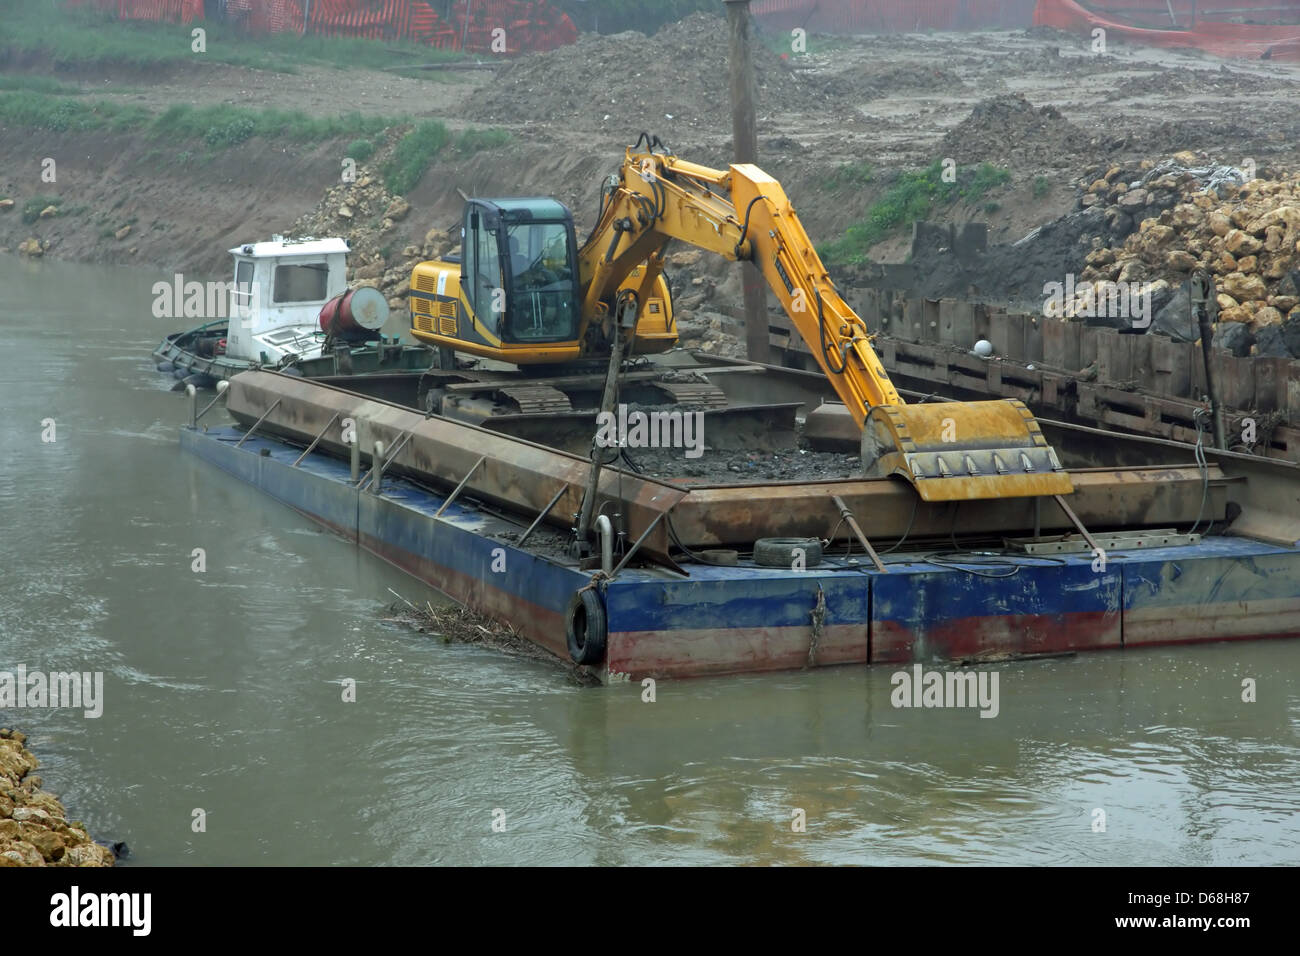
(1039, 103)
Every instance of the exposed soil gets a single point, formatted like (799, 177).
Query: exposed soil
(1037, 102)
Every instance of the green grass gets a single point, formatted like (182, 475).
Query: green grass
(216, 126)
(32, 207)
(37, 84)
(473, 141)
(418, 148)
(912, 195)
(1041, 187)
(81, 36)
(360, 150)
(851, 175)
(402, 171)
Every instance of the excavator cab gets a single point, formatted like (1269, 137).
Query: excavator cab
(516, 292)
(519, 268)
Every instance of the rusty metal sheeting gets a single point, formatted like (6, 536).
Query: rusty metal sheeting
(1103, 498)
(518, 476)
(523, 477)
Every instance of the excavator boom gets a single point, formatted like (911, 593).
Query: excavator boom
(947, 450)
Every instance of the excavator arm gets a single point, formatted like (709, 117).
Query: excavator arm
(947, 450)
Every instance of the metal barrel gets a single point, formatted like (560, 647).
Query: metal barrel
(355, 314)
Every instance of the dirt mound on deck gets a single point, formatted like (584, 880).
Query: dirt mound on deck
(673, 80)
(1010, 131)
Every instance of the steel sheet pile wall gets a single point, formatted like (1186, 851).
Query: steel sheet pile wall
(1149, 383)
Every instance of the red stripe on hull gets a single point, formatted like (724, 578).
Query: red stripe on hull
(1015, 634)
(732, 650)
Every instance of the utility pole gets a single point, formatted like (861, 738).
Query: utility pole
(744, 137)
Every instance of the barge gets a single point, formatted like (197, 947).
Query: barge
(1163, 544)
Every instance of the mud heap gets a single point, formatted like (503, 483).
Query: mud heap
(1010, 131)
(1160, 222)
(34, 827)
(673, 80)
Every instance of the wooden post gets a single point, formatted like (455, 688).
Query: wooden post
(744, 136)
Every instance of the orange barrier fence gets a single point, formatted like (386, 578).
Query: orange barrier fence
(480, 26)
(1254, 40)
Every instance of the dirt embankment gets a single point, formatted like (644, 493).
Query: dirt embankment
(34, 827)
(1035, 102)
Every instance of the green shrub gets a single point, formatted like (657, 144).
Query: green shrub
(413, 155)
(912, 195)
(360, 150)
(32, 208)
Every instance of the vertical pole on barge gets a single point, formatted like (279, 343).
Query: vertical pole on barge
(744, 137)
(1202, 289)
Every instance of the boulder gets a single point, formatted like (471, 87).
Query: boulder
(1291, 334)
(31, 247)
(1174, 318)
(1270, 342)
(1267, 315)
(1242, 287)
(1239, 242)
(6, 205)
(49, 212)
(1233, 337)
(397, 209)
(122, 233)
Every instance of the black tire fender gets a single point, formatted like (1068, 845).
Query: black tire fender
(779, 552)
(585, 627)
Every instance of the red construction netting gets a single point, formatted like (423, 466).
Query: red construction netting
(479, 26)
(1254, 40)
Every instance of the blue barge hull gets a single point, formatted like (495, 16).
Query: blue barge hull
(739, 619)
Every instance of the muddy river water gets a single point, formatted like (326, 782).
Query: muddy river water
(223, 689)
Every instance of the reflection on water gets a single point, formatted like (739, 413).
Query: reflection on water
(223, 689)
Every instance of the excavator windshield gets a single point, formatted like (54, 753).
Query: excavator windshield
(542, 299)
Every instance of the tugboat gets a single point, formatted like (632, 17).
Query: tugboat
(290, 309)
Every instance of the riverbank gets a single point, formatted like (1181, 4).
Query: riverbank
(34, 826)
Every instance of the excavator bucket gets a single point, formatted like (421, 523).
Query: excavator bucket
(956, 451)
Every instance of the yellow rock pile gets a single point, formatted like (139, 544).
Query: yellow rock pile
(366, 215)
(34, 827)
(1247, 237)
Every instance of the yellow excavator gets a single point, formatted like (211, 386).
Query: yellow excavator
(523, 292)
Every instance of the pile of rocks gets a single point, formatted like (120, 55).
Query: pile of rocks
(34, 827)
(1160, 223)
(366, 214)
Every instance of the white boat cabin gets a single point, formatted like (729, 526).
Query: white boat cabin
(280, 287)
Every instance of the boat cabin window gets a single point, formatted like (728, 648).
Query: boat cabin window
(542, 295)
(301, 282)
(242, 296)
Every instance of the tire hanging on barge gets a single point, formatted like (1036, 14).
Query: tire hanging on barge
(585, 627)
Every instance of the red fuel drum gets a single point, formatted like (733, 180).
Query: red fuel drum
(355, 314)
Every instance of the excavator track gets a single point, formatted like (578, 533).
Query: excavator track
(693, 394)
(537, 399)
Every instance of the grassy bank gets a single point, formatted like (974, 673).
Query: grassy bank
(223, 127)
(75, 37)
(909, 196)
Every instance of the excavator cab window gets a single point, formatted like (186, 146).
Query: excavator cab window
(483, 259)
(543, 297)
